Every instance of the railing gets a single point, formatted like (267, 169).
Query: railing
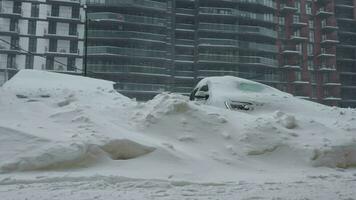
(238, 29)
(140, 87)
(126, 51)
(267, 3)
(126, 34)
(127, 69)
(238, 59)
(239, 44)
(138, 3)
(127, 18)
(237, 13)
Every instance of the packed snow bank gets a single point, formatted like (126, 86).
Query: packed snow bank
(36, 83)
(89, 127)
(54, 155)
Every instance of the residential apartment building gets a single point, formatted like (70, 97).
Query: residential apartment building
(304, 47)
(345, 11)
(168, 45)
(42, 34)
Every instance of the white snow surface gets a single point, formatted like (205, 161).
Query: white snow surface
(70, 137)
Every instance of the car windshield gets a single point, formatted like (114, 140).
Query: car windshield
(250, 87)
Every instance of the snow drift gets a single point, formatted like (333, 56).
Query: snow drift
(59, 122)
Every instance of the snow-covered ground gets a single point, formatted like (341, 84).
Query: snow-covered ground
(69, 137)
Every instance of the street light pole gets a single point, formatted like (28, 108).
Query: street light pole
(85, 41)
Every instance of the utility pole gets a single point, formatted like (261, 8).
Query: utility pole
(85, 41)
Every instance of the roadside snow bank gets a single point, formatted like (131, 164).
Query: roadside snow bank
(39, 83)
(55, 155)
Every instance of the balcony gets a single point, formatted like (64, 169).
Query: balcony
(327, 41)
(256, 60)
(229, 28)
(63, 17)
(259, 3)
(185, 27)
(143, 4)
(62, 52)
(10, 13)
(58, 36)
(183, 11)
(284, 9)
(323, 13)
(325, 54)
(66, 2)
(242, 60)
(218, 58)
(112, 17)
(298, 23)
(184, 42)
(8, 31)
(291, 51)
(226, 12)
(8, 50)
(218, 42)
(327, 27)
(140, 87)
(258, 31)
(298, 38)
(207, 73)
(122, 51)
(119, 35)
(327, 68)
(127, 69)
(331, 98)
(291, 66)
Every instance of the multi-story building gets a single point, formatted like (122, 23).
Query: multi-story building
(43, 34)
(305, 47)
(152, 46)
(345, 11)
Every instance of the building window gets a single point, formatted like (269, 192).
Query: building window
(73, 46)
(71, 64)
(298, 76)
(52, 45)
(73, 29)
(308, 8)
(14, 43)
(32, 27)
(35, 9)
(310, 65)
(55, 10)
(32, 45)
(52, 27)
(75, 12)
(49, 63)
(311, 24)
(299, 47)
(29, 62)
(14, 25)
(310, 49)
(281, 20)
(17, 7)
(11, 61)
(296, 18)
(311, 36)
(297, 5)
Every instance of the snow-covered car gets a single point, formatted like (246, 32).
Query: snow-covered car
(233, 93)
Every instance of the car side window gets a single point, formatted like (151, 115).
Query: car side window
(204, 88)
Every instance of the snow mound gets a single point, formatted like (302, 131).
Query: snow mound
(43, 84)
(55, 155)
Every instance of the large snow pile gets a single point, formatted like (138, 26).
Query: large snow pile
(60, 123)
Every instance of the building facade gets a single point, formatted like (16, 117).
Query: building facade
(43, 34)
(345, 11)
(304, 47)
